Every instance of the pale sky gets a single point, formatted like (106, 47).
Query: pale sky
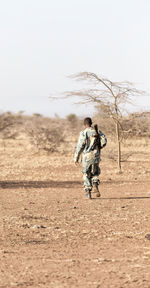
(44, 41)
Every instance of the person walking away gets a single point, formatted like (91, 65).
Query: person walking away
(90, 143)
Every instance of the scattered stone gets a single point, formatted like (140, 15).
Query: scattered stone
(147, 236)
(39, 226)
(42, 226)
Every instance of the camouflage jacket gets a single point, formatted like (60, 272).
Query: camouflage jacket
(85, 144)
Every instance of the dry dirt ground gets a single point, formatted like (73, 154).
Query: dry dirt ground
(51, 236)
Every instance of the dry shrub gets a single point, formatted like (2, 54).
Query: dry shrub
(139, 123)
(9, 125)
(135, 124)
(46, 139)
(74, 124)
(45, 134)
(72, 119)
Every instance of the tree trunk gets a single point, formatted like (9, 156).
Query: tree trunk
(119, 146)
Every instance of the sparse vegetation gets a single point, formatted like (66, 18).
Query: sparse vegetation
(52, 134)
(47, 139)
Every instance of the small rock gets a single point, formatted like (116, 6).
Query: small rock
(42, 226)
(39, 226)
(147, 236)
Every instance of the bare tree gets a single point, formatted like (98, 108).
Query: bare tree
(111, 96)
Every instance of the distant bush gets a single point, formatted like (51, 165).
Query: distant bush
(139, 123)
(46, 139)
(37, 115)
(74, 123)
(45, 133)
(9, 125)
(136, 124)
(72, 118)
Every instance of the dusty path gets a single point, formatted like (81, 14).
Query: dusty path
(51, 236)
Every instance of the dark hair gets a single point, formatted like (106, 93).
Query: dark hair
(88, 121)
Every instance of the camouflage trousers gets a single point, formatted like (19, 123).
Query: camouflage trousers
(91, 175)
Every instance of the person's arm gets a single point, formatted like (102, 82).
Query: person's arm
(80, 146)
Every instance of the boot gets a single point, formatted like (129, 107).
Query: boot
(96, 190)
(88, 193)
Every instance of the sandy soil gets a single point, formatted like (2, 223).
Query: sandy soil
(51, 236)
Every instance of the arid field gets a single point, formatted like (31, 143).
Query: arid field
(52, 236)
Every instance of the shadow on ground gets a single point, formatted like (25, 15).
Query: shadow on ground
(39, 184)
(52, 184)
(63, 184)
